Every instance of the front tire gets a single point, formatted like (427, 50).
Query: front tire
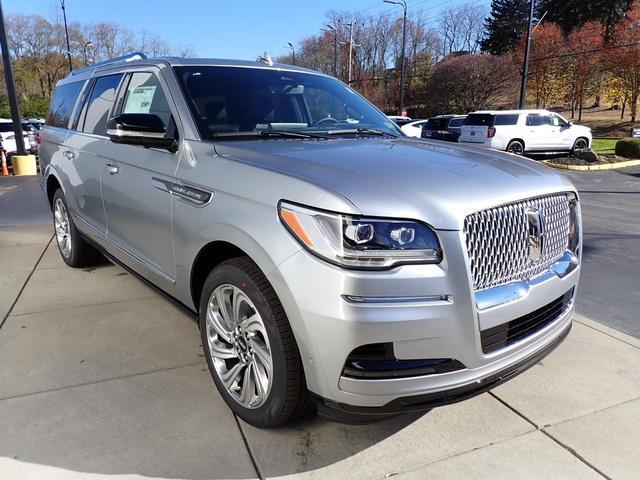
(516, 147)
(249, 346)
(581, 143)
(74, 249)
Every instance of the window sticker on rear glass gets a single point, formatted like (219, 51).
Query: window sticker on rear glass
(139, 100)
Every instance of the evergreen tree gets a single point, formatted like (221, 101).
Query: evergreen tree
(572, 14)
(506, 23)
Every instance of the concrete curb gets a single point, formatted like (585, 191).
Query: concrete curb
(612, 332)
(583, 168)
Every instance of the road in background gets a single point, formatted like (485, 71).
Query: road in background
(22, 201)
(609, 289)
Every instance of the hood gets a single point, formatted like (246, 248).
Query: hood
(434, 182)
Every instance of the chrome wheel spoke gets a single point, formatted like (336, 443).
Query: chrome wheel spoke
(238, 345)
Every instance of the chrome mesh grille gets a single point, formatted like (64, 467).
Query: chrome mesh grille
(498, 240)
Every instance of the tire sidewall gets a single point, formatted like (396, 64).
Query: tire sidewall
(71, 260)
(512, 142)
(268, 413)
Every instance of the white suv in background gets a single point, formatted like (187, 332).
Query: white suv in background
(520, 131)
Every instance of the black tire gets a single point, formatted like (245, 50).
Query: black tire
(581, 143)
(516, 147)
(81, 254)
(288, 398)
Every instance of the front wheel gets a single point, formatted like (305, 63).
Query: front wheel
(580, 144)
(516, 147)
(249, 346)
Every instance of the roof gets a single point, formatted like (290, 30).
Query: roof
(139, 59)
(512, 112)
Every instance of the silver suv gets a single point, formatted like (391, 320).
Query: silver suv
(330, 260)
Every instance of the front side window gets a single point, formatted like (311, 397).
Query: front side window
(100, 103)
(61, 106)
(144, 95)
(228, 100)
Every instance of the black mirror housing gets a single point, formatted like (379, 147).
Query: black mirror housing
(145, 129)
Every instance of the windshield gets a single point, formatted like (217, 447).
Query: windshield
(228, 100)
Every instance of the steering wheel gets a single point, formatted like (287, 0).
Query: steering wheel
(327, 120)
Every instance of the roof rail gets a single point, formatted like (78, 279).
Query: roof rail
(129, 57)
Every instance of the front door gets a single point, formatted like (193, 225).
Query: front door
(538, 133)
(137, 203)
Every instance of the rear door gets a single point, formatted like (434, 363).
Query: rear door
(84, 147)
(475, 128)
(135, 182)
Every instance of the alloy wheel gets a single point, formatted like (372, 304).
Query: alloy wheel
(239, 346)
(62, 227)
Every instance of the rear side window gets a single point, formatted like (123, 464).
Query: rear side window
(506, 119)
(61, 106)
(534, 120)
(436, 124)
(456, 122)
(100, 103)
(479, 119)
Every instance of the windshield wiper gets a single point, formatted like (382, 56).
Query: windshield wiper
(361, 131)
(265, 134)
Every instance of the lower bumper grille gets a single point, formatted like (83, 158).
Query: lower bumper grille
(501, 336)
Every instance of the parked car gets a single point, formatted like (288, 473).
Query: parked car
(443, 127)
(400, 121)
(8, 138)
(326, 257)
(414, 128)
(521, 131)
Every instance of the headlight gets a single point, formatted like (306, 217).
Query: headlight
(360, 242)
(574, 224)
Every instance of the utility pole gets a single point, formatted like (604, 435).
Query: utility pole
(290, 46)
(66, 34)
(11, 88)
(351, 24)
(522, 104)
(403, 4)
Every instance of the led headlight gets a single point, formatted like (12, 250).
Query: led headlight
(360, 242)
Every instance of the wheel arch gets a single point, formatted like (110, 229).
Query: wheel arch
(52, 185)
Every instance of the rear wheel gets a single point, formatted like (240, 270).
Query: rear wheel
(74, 249)
(249, 346)
(580, 144)
(516, 147)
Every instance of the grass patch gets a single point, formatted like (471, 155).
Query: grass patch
(604, 146)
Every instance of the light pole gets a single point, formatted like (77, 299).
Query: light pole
(66, 34)
(11, 88)
(334, 30)
(403, 4)
(290, 46)
(84, 50)
(522, 104)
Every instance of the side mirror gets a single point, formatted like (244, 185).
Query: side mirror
(145, 129)
(569, 124)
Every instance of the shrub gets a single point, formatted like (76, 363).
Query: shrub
(628, 147)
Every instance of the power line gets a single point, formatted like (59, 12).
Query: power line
(594, 50)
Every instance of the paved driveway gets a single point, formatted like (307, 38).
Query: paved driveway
(100, 376)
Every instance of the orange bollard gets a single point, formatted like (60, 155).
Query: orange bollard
(5, 170)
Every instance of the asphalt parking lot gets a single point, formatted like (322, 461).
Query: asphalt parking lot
(101, 376)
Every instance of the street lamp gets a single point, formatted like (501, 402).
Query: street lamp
(66, 34)
(403, 4)
(331, 28)
(290, 46)
(84, 50)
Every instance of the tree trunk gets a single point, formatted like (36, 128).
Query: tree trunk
(634, 108)
(580, 100)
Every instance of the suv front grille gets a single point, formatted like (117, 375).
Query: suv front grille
(498, 240)
(501, 336)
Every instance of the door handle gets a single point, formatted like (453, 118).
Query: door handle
(112, 169)
(69, 154)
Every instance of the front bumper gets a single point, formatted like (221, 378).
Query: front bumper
(426, 311)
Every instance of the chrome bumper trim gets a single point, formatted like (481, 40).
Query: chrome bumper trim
(492, 297)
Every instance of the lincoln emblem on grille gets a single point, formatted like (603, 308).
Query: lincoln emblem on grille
(535, 225)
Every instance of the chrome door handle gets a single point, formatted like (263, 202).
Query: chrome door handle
(112, 169)
(69, 154)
